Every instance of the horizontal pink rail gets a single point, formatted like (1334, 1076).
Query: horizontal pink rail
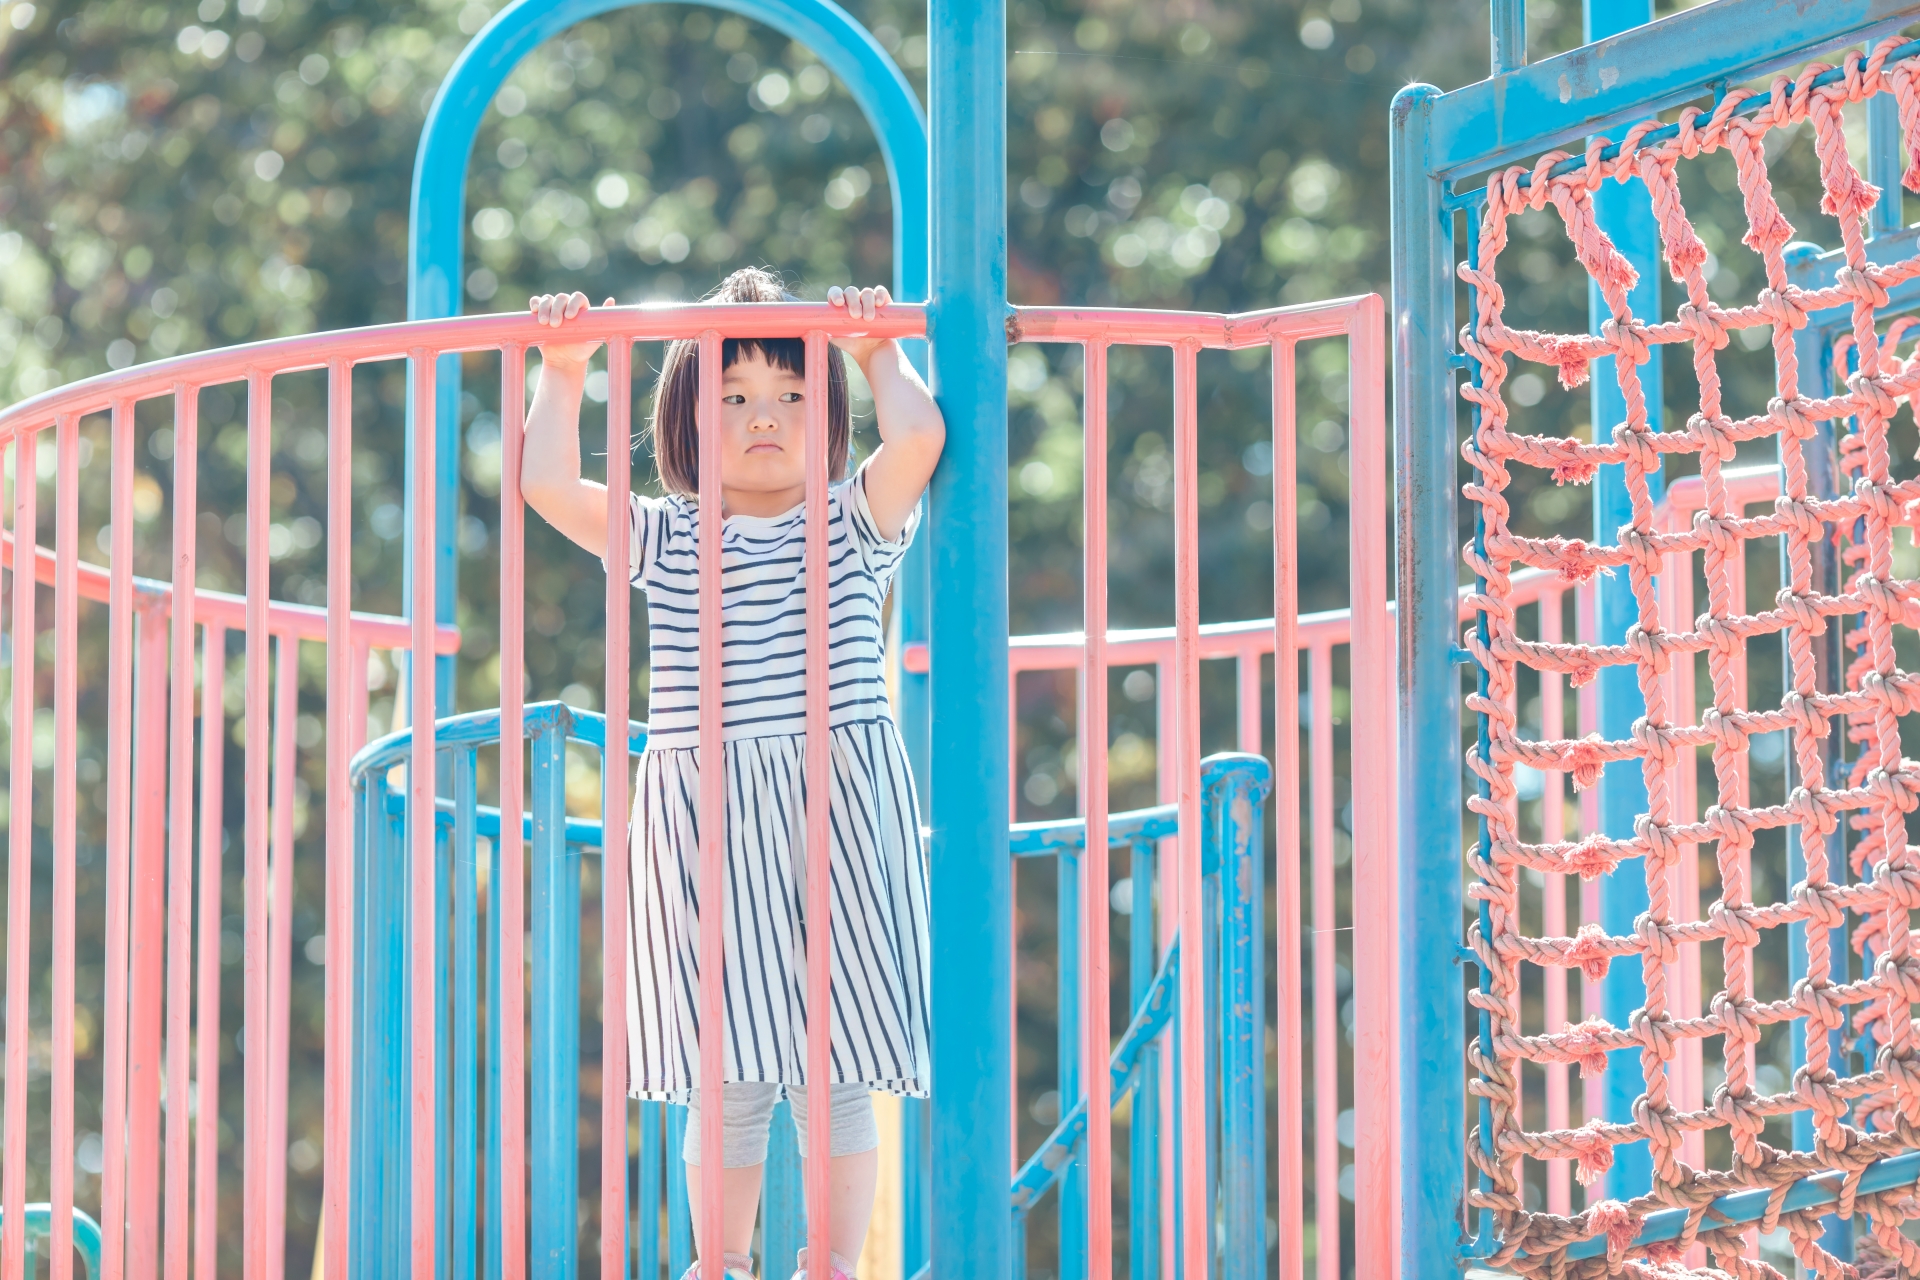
(442, 337)
(220, 608)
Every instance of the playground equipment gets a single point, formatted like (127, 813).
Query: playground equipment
(430, 1163)
(1487, 151)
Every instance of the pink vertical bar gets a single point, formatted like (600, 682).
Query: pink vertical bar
(66, 688)
(819, 864)
(1195, 1242)
(213, 755)
(186, 514)
(423, 942)
(1589, 706)
(614, 864)
(113, 1087)
(1553, 824)
(710, 1246)
(1326, 1029)
(1676, 590)
(1166, 713)
(342, 676)
(1095, 960)
(509, 878)
(146, 958)
(259, 834)
(1248, 733)
(13, 1163)
(1376, 1147)
(1289, 1163)
(286, 715)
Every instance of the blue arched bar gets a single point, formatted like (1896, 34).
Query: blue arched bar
(437, 225)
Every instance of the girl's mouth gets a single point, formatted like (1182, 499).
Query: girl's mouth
(764, 447)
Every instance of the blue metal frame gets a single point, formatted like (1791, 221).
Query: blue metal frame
(1235, 787)
(967, 545)
(86, 1236)
(1517, 113)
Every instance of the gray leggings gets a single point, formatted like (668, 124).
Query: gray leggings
(747, 1117)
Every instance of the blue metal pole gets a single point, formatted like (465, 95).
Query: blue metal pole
(1238, 796)
(1068, 1077)
(783, 1205)
(646, 1226)
(553, 1053)
(1509, 35)
(1143, 1138)
(461, 1205)
(1625, 214)
(1432, 1039)
(679, 1217)
(967, 548)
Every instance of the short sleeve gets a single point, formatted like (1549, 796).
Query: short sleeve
(646, 533)
(882, 554)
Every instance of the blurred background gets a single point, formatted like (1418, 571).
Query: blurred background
(175, 177)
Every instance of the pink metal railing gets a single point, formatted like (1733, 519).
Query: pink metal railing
(149, 947)
(159, 992)
(1177, 652)
(155, 781)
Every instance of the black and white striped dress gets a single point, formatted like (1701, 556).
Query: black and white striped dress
(879, 879)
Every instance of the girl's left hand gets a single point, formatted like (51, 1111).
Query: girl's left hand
(861, 304)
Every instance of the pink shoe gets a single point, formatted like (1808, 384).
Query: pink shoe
(841, 1268)
(739, 1266)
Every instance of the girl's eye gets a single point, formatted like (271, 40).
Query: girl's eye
(790, 397)
(735, 399)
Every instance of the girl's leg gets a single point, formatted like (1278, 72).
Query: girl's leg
(853, 1165)
(747, 1114)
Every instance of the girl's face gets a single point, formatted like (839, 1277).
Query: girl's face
(763, 417)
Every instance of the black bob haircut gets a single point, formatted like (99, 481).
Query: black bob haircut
(673, 430)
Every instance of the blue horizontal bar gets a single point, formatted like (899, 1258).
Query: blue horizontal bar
(1065, 835)
(1751, 1206)
(1044, 1167)
(477, 728)
(1809, 268)
(584, 832)
(1637, 74)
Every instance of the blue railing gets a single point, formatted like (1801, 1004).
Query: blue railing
(1234, 787)
(86, 1236)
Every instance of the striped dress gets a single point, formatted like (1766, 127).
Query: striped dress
(879, 877)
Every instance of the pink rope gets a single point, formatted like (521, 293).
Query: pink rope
(1874, 797)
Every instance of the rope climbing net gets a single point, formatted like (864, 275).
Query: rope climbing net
(1859, 1115)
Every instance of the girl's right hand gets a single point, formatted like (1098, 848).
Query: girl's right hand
(554, 310)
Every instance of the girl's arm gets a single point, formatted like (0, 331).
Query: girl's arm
(550, 477)
(912, 432)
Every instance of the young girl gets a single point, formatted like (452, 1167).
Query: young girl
(879, 887)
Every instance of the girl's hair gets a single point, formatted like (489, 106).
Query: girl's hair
(676, 397)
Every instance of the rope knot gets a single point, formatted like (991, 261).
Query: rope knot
(1586, 760)
(1706, 324)
(1588, 952)
(1781, 307)
(1609, 1218)
(1869, 392)
(1793, 417)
